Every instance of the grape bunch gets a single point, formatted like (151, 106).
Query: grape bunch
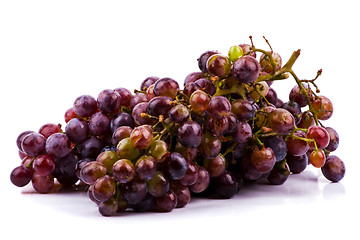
(155, 148)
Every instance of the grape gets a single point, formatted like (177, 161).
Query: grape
(306, 120)
(235, 52)
(247, 50)
(323, 107)
(276, 177)
(85, 106)
(69, 114)
(42, 184)
(123, 170)
(58, 145)
(141, 136)
(334, 139)
(192, 77)
(293, 108)
(122, 119)
(120, 133)
(202, 182)
(48, 129)
(190, 88)
(158, 149)
(44, 165)
(199, 101)
(65, 169)
(219, 107)
(159, 106)
(20, 138)
(297, 147)
(242, 132)
(150, 92)
(281, 121)
(138, 114)
(167, 202)
(263, 160)
(206, 85)
(333, 169)
(191, 175)
(218, 65)
(215, 166)
(108, 101)
(243, 110)
(126, 149)
(158, 185)
(258, 90)
(90, 148)
(225, 185)
(107, 159)
(320, 135)
(298, 96)
(210, 147)
(138, 98)
(278, 145)
(217, 127)
(188, 153)
(33, 144)
(166, 87)
(145, 204)
(190, 134)
(317, 158)
(246, 69)
(77, 130)
(109, 207)
(297, 164)
(145, 167)
(104, 188)
(175, 166)
(147, 82)
(179, 113)
(20, 176)
(271, 96)
(125, 96)
(133, 192)
(182, 194)
(203, 59)
(266, 64)
(91, 171)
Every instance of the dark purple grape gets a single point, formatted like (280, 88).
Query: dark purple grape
(202, 60)
(166, 87)
(58, 145)
(139, 114)
(122, 119)
(242, 132)
(133, 192)
(334, 168)
(192, 77)
(191, 175)
(281, 121)
(190, 88)
(206, 85)
(120, 133)
(90, 148)
(210, 147)
(179, 113)
(299, 97)
(108, 101)
(246, 69)
(167, 202)
(271, 96)
(77, 130)
(175, 166)
(65, 169)
(297, 147)
(297, 164)
(276, 177)
(225, 185)
(160, 105)
(20, 138)
(278, 145)
(145, 167)
(109, 207)
(20, 176)
(99, 124)
(219, 107)
(33, 144)
(85, 106)
(125, 96)
(145, 204)
(79, 165)
(147, 82)
(190, 134)
(215, 166)
(334, 139)
(243, 110)
(232, 124)
(293, 108)
(182, 193)
(217, 127)
(138, 98)
(42, 184)
(202, 182)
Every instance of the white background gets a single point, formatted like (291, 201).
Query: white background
(53, 51)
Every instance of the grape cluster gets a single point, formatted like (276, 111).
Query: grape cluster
(154, 149)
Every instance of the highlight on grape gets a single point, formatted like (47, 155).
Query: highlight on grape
(154, 148)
